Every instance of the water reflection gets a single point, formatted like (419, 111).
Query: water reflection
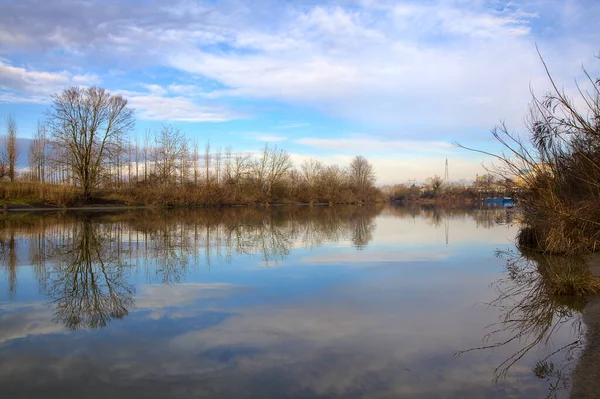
(366, 301)
(82, 261)
(531, 314)
(8, 253)
(88, 280)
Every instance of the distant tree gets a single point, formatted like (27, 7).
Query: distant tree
(332, 181)
(170, 148)
(310, 172)
(10, 146)
(361, 173)
(37, 153)
(271, 167)
(436, 184)
(90, 124)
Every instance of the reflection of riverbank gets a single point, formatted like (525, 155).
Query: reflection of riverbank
(531, 313)
(361, 304)
(82, 260)
(586, 375)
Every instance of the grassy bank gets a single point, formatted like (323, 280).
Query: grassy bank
(38, 195)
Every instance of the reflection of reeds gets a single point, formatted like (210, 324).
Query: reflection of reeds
(531, 312)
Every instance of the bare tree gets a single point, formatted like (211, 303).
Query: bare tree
(332, 180)
(311, 169)
(37, 153)
(170, 148)
(184, 162)
(90, 123)
(10, 144)
(361, 173)
(195, 156)
(240, 167)
(146, 149)
(436, 184)
(207, 162)
(269, 169)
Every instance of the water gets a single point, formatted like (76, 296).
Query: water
(298, 302)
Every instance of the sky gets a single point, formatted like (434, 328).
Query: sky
(396, 81)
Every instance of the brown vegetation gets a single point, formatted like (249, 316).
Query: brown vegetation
(541, 295)
(80, 155)
(558, 169)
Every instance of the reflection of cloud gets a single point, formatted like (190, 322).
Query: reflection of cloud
(27, 320)
(368, 258)
(162, 296)
(350, 340)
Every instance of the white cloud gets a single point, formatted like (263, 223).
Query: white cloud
(177, 109)
(439, 65)
(271, 139)
(364, 144)
(159, 104)
(19, 84)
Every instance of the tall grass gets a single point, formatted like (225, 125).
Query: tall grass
(20, 192)
(558, 169)
(189, 194)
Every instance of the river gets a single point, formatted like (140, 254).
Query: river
(375, 301)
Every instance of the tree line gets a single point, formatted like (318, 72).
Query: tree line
(84, 144)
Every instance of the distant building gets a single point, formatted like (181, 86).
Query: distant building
(527, 175)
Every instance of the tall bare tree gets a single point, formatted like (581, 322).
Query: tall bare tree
(270, 168)
(207, 162)
(361, 173)
(10, 145)
(311, 169)
(91, 124)
(170, 148)
(37, 153)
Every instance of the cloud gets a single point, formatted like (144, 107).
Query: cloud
(271, 139)
(19, 84)
(366, 144)
(292, 125)
(157, 107)
(439, 65)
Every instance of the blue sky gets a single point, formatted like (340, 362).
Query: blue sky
(396, 81)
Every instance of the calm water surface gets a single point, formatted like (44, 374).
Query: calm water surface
(289, 302)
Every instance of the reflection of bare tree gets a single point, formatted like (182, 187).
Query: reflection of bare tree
(8, 252)
(82, 261)
(531, 314)
(362, 231)
(88, 282)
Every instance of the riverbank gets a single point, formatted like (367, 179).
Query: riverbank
(31, 195)
(90, 206)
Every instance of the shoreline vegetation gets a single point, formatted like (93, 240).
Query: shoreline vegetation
(559, 164)
(82, 155)
(28, 196)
